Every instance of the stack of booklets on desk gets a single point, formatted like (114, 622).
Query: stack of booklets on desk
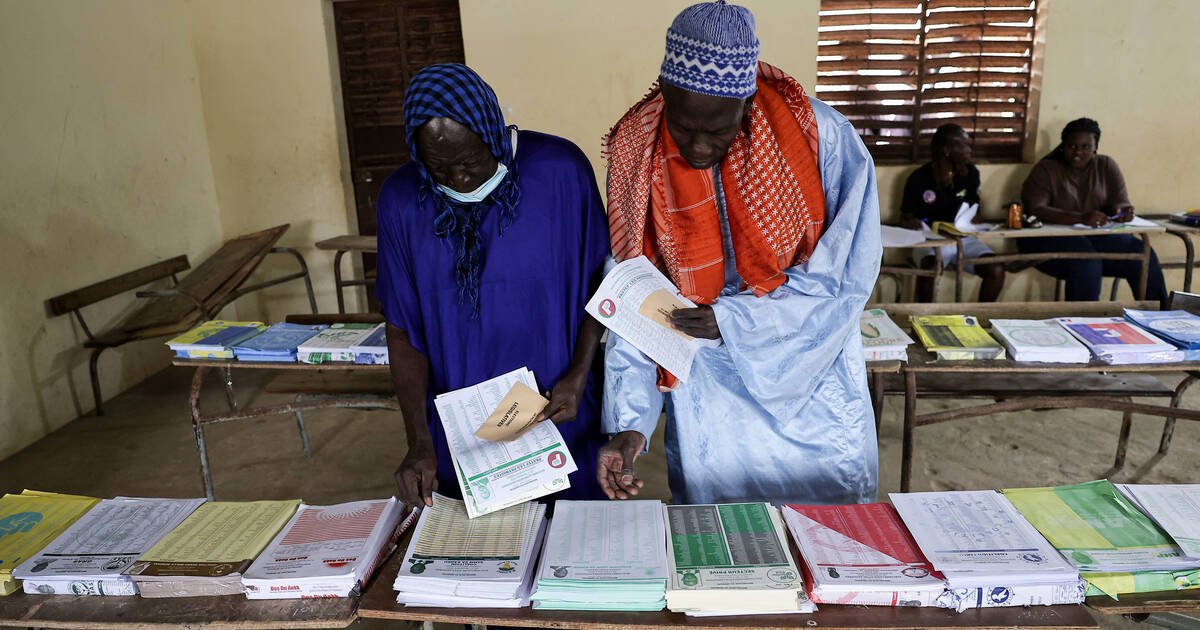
(277, 343)
(328, 550)
(484, 562)
(28, 522)
(603, 555)
(989, 555)
(1116, 341)
(731, 559)
(882, 339)
(333, 344)
(1181, 328)
(1173, 507)
(372, 350)
(1039, 341)
(1187, 217)
(955, 337)
(1115, 547)
(863, 555)
(214, 339)
(208, 552)
(88, 558)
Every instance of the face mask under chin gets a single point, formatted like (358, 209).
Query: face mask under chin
(480, 193)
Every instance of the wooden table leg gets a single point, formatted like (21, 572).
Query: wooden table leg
(958, 270)
(1164, 443)
(877, 399)
(1141, 294)
(910, 418)
(1122, 442)
(337, 280)
(198, 430)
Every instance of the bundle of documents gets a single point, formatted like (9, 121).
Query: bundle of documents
(603, 555)
(731, 559)
(893, 236)
(1187, 217)
(214, 339)
(1116, 341)
(485, 562)
(989, 555)
(500, 456)
(862, 554)
(28, 522)
(964, 222)
(1039, 341)
(209, 551)
(955, 337)
(882, 339)
(1181, 328)
(1116, 547)
(333, 344)
(635, 301)
(327, 551)
(372, 350)
(277, 343)
(88, 558)
(1173, 507)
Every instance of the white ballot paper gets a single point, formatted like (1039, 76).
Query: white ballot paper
(964, 221)
(88, 558)
(634, 301)
(606, 540)
(495, 475)
(1174, 507)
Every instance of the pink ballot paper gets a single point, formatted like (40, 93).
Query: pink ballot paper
(862, 554)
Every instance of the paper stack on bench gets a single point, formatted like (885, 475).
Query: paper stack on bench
(327, 550)
(1117, 342)
(208, 552)
(988, 553)
(214, 339)
(1173, 507)
(372, 350)
(882, 339)
(955, 337)
(31, 520)
(1039, 341)
(603, 555)
(482, 562)
(333, 344)
(1181, 328)
(277, 343)
(88, 558)
(731, 559)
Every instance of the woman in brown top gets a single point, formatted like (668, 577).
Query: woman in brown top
(1074, 184)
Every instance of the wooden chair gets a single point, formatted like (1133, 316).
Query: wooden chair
(200, 296)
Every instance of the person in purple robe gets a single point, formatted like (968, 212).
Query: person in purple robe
(491, 241)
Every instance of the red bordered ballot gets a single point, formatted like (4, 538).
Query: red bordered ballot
(862, 554)
(327, 550)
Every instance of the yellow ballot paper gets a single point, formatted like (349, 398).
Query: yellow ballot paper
(955, 337)
(30, 521)
(515, 415)
(219, 538)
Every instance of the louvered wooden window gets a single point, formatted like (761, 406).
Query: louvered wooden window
(898, 69)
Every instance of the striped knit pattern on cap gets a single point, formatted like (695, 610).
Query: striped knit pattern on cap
(712, 49)
(454, 91)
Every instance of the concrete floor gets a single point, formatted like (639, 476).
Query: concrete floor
(144, 447)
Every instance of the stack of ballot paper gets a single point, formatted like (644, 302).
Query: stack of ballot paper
(502, 458)
(964, 222)
(635, 301)
(333, 344)
(731, 559)
(1116, 341)
(1115, 547)
(1181, 328)
(861, 554)
(882, 339)
(955, 337)
(327, 551)
(1039, 341)
(456, 561)
(88, 558)
(989, 555)
(214, 339)
(28, 522)
(1173, 507)
(277, 343)
(603, 555)
(372, 350)
(208, 552)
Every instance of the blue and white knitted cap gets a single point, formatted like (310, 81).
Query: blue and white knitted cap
(712, 49)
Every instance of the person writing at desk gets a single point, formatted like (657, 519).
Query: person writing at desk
(935, 192)
(759, 204)
(490, 241)
(1074, 184)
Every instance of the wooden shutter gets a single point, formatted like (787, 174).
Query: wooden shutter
(900, 68)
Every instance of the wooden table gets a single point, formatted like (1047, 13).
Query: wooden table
(379, 602)
(341, 245)
(1184, 233)
(229, 611)
(1147, 603)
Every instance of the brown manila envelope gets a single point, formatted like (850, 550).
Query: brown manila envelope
(514, 416)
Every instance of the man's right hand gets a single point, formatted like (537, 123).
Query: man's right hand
(1094, 218)
(415, 476)
(614, 470)
(910, 222)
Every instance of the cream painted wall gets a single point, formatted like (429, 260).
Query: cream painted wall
(103, 168)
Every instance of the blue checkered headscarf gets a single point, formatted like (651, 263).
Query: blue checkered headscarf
(454, 91)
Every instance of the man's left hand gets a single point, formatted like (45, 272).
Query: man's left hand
(698, 322)
(564, 399)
